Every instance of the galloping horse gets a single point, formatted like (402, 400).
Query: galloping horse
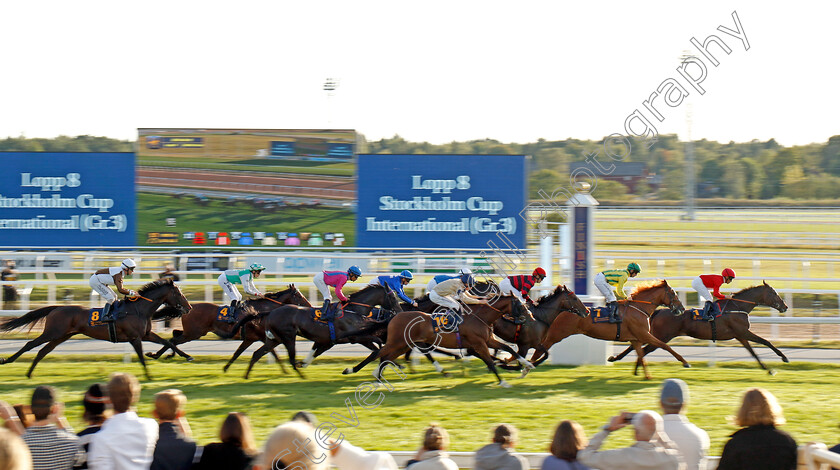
(285, 323)
(529, 334)
(635, 327)
(409, 329)
(203, 319)
(65, 321)
(735, 324)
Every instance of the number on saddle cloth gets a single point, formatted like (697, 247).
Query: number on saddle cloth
(600, 314)
(95, 318)
(226, 314)
(446, 321)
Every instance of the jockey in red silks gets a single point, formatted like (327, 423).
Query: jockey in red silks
(704, 282)
(520, 286)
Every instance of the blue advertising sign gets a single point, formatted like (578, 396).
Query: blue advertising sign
(283, 149)
(67, 199)
(440, 201)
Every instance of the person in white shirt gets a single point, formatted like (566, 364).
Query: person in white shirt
(652, 450)
(100, 280)
(126, 441)
(691, 441)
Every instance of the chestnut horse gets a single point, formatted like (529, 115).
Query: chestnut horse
(635, 326)
(65, 321)
(734, 324)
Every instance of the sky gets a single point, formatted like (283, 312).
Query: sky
(433, 71)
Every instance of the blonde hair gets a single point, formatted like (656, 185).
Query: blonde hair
(281, 451)
(759, 407)
(435, 438)
(169, 404)
(569, 438)
(14, 455)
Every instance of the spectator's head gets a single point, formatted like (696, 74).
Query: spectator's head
(435, 438)
(236, 431)
(674, 396)
(290, 443)
(648, 425)
(14, 455)
(506, 435)
(43, 401)
(169, 405)
(759, 407)
(569, 438)
(95, 404)
(306, 417)
(124, 391)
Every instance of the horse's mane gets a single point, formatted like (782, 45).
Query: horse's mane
(278, 294)
(366, 288)
(550, 296)
(646, 286)
(155, 284)
(747, 289)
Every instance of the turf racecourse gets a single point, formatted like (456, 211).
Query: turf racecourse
(467, 404)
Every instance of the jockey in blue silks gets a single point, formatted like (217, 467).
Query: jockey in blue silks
(396, 283)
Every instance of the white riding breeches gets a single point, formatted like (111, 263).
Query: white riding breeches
(702, 290)
(104, 291)
(322, 286)
(606, 289)
(507, 288)
(447, 302)
(229, 288)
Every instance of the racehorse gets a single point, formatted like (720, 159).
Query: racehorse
(285, 323)
(412, 329)
(735, 324)
(635, 327)
(203, 319)
(65, 321)
(529, 334)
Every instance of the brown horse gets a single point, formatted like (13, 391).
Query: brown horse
(414, 329)
(635, 327)
(65, 321)
(734, 324)
(203, 319)
(529, 334)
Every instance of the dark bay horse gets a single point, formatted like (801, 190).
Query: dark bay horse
(203, 319)
(134, 328)
(285, 323)
(529, 334)
(734, 324)
(635, 313)
(413, 329)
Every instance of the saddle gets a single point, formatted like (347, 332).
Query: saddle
(601, 314)
(117, 310)
(226, 314)
(380, 315)
(446, 322)
(317, 313)
(697, 314)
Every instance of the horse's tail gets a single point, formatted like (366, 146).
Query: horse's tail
(238, 325)
(30, 317)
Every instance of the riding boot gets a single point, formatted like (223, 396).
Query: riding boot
(614, 318)
(108, 312)
(234, 304)
(325, 311)
(714, 311)
(707, 308)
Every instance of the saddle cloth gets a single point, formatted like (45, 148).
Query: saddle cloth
(697, 314)
(446, 321)
(95, 316)
(225, 314)
(601, 314)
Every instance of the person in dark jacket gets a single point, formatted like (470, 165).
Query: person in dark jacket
(96, 412)
(758, 444)
(237, 449)
(175, 450)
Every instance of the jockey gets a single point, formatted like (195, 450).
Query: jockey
(396, 283)
(445, 277)
(100, 280)
(704, 282)
(336, 279)
(228, 280)
(521, 285)
(445, 293)
(615, 277)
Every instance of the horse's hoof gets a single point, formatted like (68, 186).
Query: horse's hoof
(771, 372)
(2, 360)
(447, 374)
(648, 377)
(224, 369)
(611, 359)
(504, 384)
(687, 365)
(784, 359)
(527, 365)
(190, 358)
(347, 371)
(299, 364)
(151, 355)
(524, 373)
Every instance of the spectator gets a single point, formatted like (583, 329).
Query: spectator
(24, 412)
(9, 274)
(652, 449)
(691, 441)
(433, 456)
(95, 404)
(569, 438)
(50, 439)
(14, 455)
(126, 441)
(237, 449)
(169, 273)
(499, 455)
(306, 417)
(11, 418)
(175, 450)
(292, 445)
(758, 444)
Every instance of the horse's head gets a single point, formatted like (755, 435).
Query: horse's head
(166, 292)
(576, 305)
(392, 302)
(297, 297)
(672, 300)
(770, 298)
(178, 300)
(659, 294)
(510, 304)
